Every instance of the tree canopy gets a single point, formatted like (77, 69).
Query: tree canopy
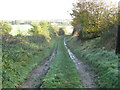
(94, 16)
(43, 28)
(5, 27)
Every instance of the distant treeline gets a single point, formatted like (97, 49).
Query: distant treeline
(38, 28)
(22, 22)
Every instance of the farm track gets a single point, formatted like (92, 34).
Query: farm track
(35, 78)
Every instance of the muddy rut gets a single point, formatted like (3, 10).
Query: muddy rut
(86, 76)
(36, 76)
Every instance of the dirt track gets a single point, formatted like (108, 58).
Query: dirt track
(87, 77)
(35, 77)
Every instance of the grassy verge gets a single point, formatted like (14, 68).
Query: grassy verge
(103, 62)
(62, 73)
(20, 55)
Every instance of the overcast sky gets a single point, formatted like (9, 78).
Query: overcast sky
(35, 9)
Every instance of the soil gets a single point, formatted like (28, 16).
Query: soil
(35, 77)
(87, 77)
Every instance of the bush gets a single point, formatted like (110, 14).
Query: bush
(5, 27)
(61, 32)
(108, 38)
(20, 55)
(43, 28)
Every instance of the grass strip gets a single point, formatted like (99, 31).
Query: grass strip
(62, 73)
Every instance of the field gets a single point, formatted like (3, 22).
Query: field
(24, 29)
(20, 29)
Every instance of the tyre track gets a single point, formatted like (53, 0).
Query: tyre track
(35, 78)
(87, 77)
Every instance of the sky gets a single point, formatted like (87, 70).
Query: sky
(36, 9)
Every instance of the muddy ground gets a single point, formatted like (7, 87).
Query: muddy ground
(36, 76)
(87, 77)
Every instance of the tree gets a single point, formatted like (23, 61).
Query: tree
(77, 30)
(61, 32)
(94, 16)
(43, 28)
(5, 27)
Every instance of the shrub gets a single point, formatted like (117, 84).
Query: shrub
(5, 27)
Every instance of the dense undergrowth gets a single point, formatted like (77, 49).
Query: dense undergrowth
(62, 73)
(100, 56)
(20, 55)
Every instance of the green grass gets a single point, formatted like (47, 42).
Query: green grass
(104, 62)
(20, 55)
(62, 73)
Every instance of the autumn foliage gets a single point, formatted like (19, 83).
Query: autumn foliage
(94, 16)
